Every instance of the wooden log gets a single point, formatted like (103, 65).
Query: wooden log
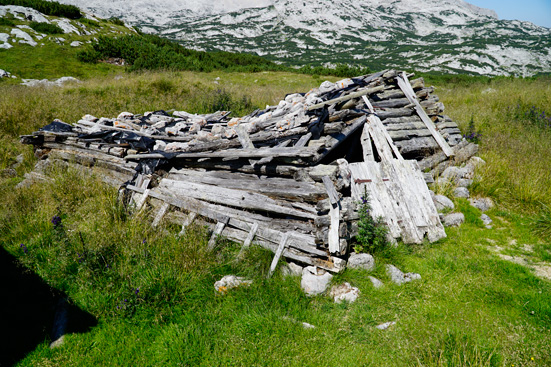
(331, 190)
(233, 197)
(367, 148)
(347, 97)
(187, 222)
(333, 141)
(409, 134)
(244, 137)
(420, 146)
(278, 254)
(333, 235)
(303, 140)
(377, 128)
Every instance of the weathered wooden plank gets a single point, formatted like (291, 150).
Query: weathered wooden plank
(232, 197)
(347, 97)
(248, 240)
(303, 140)
(410, 94)
(305, 152)
(187, 222)
(160, 214)
(278, 254)
(331, 190)
(334, 140)
(367, 148)
(244, 137)
(378, 128)
(297, 240)
(334, 240)
(217, 232)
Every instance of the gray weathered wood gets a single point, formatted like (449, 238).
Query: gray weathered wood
(160, 214)
(331, 190)
(303, 141)
(347, 97)
(187, 222)
(244, 137)
(410, 94)
(217, 232)
(367, 148)
(333, 236)
(278, 254)
(378, 128)
(248, 240)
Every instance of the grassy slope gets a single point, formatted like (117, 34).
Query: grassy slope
(470, 308)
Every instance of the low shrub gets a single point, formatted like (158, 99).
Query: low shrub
(46, 28)
(47, 7)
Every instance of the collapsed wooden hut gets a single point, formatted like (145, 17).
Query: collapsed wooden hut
(288, 177)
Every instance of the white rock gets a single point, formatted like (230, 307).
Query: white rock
(486, 220)
(344, 292)
(483, 204)
(461, 192)
(376, 282)
(315, 281)
(361, 261)
(454, 219)
(451, 174)
(230, 281)
(4, 74)
(308, 326)
(442, 203)
(125, 116)
(464, 182)
(23, 13)
(159, 145)
(75, 43)
(386, 325)
(291, 270)
(66, 25)
(23, 36)
(344, 83)
(398, 277)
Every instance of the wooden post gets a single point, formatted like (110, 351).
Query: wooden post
(278, 253)
(217, 232)
(366, 145)
(189, 219)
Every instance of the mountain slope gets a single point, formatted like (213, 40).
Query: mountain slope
(428, 35)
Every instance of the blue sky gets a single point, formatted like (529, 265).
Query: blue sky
(535, 11)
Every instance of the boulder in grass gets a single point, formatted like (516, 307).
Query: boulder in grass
(361, 261)
(344, 292)
(291, 270)
(398, 277)
(314, 280)
(461, 192)
(483, 204)
(454, 219)
(443, 203)
(376, 282)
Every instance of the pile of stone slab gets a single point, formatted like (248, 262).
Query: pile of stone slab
(288, 177)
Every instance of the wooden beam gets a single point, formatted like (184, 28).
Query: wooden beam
(189, 219)
(217, 232)
(367, 148)
(278, 253)
(160, 214)
(347, 97)
(404, 84)
(331, 190)
(248, 240)
(379, 127)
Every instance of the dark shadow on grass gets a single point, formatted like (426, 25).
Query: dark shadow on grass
(27, 310)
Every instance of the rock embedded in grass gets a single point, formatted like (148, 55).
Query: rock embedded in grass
(386, 325)
(344, 292)
(443, 203)
(398, 277)
(291, 269)
(361, 261)
(483, 204)
(461, 192)
(315, 281)
(486, 220)
(376, 282)
(454, 219)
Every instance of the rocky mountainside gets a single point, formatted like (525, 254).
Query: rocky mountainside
(427, 35)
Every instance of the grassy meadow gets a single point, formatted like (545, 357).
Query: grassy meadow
(152, 292)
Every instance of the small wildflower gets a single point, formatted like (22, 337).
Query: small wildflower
(24, 248)
(532, 358)
(137, 290)
(144, 241)
(125, 300)
(56, 221)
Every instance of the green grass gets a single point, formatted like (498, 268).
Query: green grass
(471, 308)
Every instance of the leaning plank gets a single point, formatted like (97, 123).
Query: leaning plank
(244, 137)
(186, 223)
(160, 214)
(278, 254)
(331, 190)
(404, 84)
(217, 232)
(334, 240)
(248, 240)
(378, 127)
(303, 140)
(347, 97)
(367, 148)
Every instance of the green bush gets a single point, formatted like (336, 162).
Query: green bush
(116, 21)
(90, 22)
(372, 232)
(6, 21)
(46, 28)
(47, 7)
